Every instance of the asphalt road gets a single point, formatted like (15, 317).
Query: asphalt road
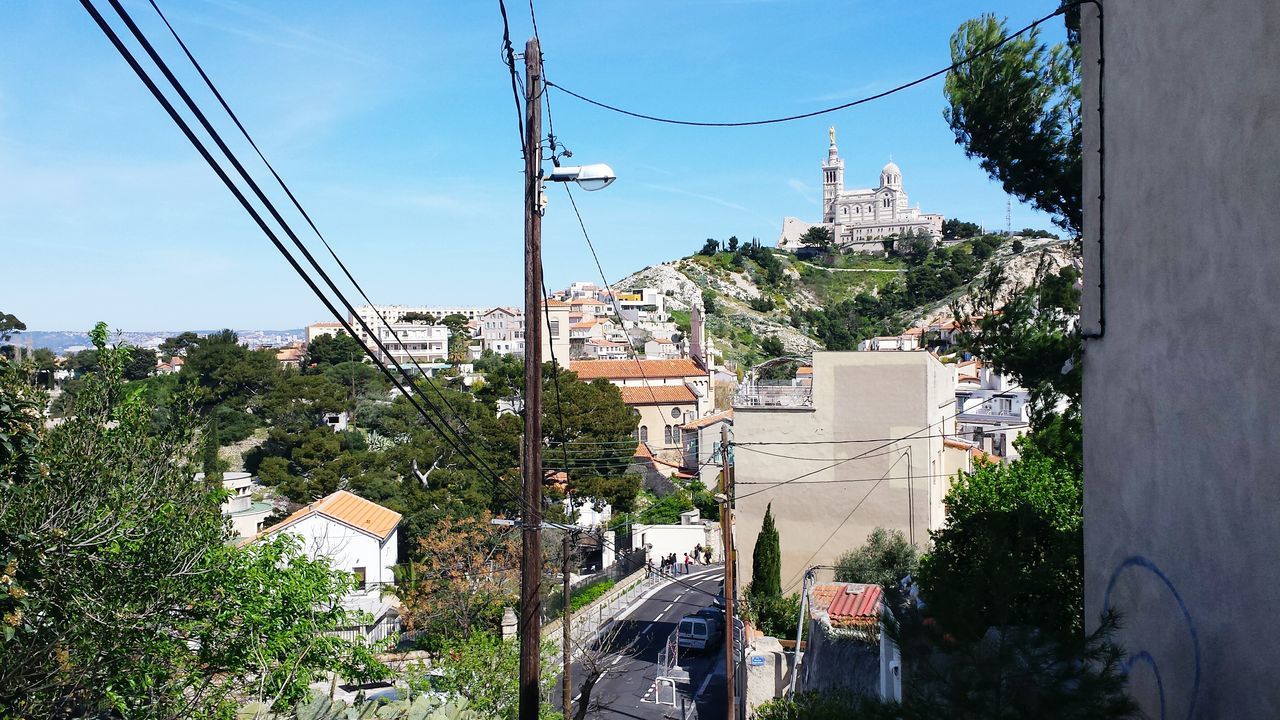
(629, 659)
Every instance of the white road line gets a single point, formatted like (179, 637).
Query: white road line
(701, 689)
(647, 628)
(660, 616)
(668, 607)
(615, 662)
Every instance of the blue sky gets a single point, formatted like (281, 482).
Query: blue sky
(395, 125)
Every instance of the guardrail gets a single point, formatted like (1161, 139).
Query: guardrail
(588, 621)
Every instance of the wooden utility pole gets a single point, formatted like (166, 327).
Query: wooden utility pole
(531, 555)
(566, 616)
(730, 594)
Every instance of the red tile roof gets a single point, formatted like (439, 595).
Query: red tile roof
(348, 509)
(847, 604)
(974, 451)
(659, 394)
(708, 420)
(636, 369)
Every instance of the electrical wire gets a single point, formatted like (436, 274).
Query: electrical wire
(745, 445)
(844, 106)
(509, 59)
(297, 204)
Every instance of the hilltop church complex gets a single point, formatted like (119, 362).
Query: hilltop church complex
(860, 219)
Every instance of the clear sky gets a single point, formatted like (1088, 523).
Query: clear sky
(395, 124)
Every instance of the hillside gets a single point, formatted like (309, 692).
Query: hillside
(757, 293)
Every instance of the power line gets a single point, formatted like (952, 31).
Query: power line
(844, 106)
(744, 445)
(298, 205)
(509, 59)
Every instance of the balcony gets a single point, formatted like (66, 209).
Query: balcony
(781, 394)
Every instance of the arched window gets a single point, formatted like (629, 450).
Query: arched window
(644, 433)
(666, 435)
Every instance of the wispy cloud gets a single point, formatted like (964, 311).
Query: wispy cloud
(697, 195)
(847, 94)
(803, 190)
(280, 33)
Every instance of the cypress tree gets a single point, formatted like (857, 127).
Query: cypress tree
(212, 464)
(766, 560)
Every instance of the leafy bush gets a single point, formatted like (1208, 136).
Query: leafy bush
(589, 594)
(808, 706)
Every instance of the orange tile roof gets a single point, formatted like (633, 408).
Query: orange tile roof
(973, 450)
(654, 395)
(326, 324)
(584, 325)
(556, 303)
(708, 420)
(348, 509)
(587, 301)
(636, 369)
(289, 354)
(846, 604)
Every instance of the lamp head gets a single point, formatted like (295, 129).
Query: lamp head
(589, 177)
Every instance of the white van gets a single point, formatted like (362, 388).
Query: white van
(699, 632)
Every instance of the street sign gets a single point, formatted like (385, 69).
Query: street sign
(757, 661)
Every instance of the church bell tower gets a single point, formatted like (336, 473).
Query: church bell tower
(832, 179)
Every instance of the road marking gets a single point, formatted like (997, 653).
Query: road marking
(668, 607)
(702, 688)
(660, 616)
(615, 662)
(646, 629)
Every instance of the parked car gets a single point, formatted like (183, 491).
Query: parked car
(701, 631)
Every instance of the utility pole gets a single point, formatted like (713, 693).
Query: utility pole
(531, 555)
(565, 616)
(730, 593)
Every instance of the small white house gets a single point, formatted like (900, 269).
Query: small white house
(246, 514)
(356, 535)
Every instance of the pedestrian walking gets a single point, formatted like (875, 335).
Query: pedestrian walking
(707, 555)
(686, 563)
(697, 552)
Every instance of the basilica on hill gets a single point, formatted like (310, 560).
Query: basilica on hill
(860, 219)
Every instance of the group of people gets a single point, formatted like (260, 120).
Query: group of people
(670, 564)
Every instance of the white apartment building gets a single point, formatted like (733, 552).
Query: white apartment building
(246, 514)
(991, 410)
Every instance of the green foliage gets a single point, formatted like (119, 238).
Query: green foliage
(681, 320)
(772, 347)
(227, 373)
(775, 616)
(139, 364)
(957, 229)
(178, 343)
(121, 597)
(762, 304)
(10, 325)
(709, 301)
(583, 597)
(422, 707)
(818, 238)
(485, 671)
(886, 558)
(1016, 246)
(335, 349)
(809, 706)
(732, 245)
(1011, 551)
(210, 463)
(414, 316)
(1017, 109)
(766, 560)
(711, 247)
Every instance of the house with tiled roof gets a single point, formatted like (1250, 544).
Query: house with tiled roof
(661, 349)
(847, 650)
(666, 394)
(356, 535)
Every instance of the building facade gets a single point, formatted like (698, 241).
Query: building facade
(666, 393)
(860, 219)
(1180, 470)
(843, 476)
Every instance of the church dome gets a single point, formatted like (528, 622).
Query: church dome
(891, 167)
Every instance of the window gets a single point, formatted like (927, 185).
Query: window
(666, 435)
(359, 573)
(644, 433)
(675, 413)
(555, 328)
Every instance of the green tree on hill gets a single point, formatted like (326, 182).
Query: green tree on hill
(335, 349)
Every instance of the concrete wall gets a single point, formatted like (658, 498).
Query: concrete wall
(837, 661)
(866, 399)
(679, 539)
(1182, 430)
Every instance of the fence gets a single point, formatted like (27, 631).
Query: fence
(626, 564)
(589, 621)
(375, 632)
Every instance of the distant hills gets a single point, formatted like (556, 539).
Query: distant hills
(64, 341)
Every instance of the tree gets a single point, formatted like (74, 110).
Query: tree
(9, 325)
(1017, 109)
(818, 238)
(335, 349)
(117, 599)
(710, 248)
(178, 344)
(884, 560)
(140, 363)
(1016, 245)
(1011, 551)
(766, 560)
(465, 572)
(211, 464)
(485, 671)
(709, 301)
(415, 316)
(459, 335)
(771, 346)
(733, 243)
(957, 229)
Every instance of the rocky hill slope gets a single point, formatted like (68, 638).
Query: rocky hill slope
(746, 307)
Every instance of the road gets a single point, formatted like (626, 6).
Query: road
(629, 660)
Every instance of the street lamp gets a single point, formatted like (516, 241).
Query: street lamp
(590, 178)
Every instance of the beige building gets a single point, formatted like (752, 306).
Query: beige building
(666, 393)
(833, 440)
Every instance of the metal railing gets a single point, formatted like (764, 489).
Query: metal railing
(770, 395)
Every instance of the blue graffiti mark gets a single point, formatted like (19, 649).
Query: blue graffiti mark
(1145, 656)
(1141, 562)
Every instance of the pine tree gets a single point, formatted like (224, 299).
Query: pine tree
(766, 560)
